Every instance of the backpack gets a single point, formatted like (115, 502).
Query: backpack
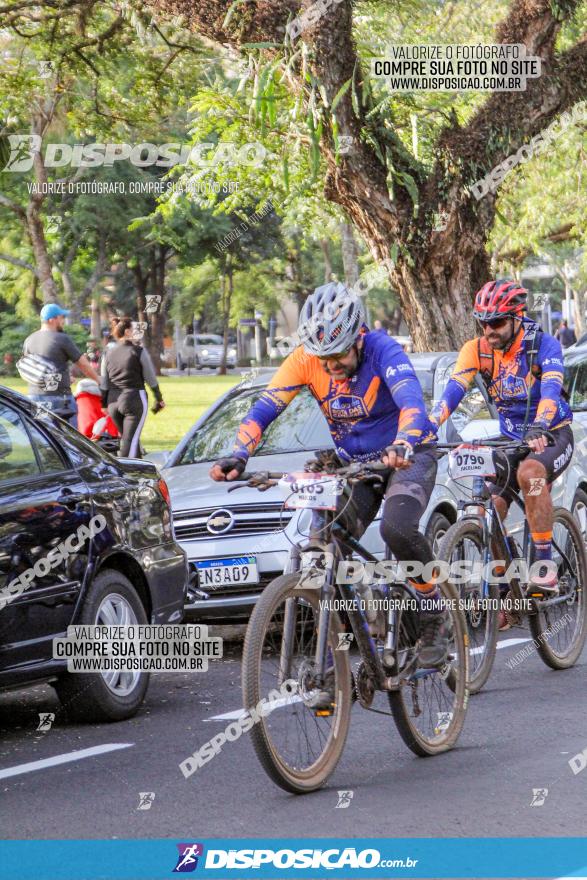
(37, 370)
(532, 342)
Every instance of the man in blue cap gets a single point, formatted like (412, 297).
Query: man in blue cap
(53, 389)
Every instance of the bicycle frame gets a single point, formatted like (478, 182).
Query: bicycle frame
(494, 531)
(338, 545)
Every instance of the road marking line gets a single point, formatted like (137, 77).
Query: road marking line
(505, 643)
(62, 759)
(240, 713)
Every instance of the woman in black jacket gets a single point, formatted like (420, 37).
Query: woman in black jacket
(125, 369)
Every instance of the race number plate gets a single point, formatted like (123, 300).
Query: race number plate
(234, 570)
(471, 461)
(313, 491)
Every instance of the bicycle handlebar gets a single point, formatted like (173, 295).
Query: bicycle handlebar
(355, 470)
(495, 444)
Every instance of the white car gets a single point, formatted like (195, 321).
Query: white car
(239, 541)
(204, 350)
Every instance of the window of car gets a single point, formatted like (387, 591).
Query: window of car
(17, 456)
(51, 461)
(189, 340)
(79, 450)
(472, 406)
(576, 384)
(301, 426)
(210, 340)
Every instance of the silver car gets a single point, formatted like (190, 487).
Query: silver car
(204, 350)
(239, 541)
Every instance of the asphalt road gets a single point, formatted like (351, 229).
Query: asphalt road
(519, 735)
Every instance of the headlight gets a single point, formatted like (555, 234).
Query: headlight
(231, 352)
(205, 352)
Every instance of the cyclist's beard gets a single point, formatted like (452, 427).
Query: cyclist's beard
(342, 373)
(345, 371)
(498, 343)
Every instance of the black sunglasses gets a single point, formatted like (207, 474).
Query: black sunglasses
(494, 323)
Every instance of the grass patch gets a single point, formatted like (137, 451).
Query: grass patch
(186, 399)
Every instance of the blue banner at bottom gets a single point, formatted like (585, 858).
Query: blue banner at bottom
(223, 859)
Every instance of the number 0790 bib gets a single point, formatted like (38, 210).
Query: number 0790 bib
(471, 461)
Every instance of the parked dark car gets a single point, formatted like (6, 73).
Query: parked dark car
(53, 481)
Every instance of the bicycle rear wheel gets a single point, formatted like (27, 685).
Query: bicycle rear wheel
(464, 542)
(559, 630)
(300, 742)
(429, 711)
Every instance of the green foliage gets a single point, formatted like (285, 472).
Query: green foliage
(14, 331)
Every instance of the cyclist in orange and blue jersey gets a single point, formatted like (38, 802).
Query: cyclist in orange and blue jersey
(523, 371)
(369, 393)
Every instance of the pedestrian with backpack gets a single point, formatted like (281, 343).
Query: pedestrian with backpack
(47, 355)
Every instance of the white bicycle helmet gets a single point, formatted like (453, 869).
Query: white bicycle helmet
(331, 320)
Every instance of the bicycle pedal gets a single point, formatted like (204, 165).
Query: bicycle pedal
(325, 713)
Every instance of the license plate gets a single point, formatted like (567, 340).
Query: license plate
(313, 491)
(471, 461)
(234, 570)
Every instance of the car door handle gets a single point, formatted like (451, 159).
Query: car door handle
(67, 498)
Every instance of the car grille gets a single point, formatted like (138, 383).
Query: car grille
(250, 519)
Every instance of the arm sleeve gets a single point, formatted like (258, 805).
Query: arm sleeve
(550, 360)
(104, 380)
(287, 382)
(466, 368)
(104, 377)
(406, 391)
(149, 374)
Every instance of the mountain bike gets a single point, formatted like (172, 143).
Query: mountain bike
(308, 623)
(558, 625)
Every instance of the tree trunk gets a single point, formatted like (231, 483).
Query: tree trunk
(579, 301)
(324, 244)
(157, 326)
(34, 223)
(95, 321)
(41, 254)
(226, 300)
(435, 304)
(350, 253)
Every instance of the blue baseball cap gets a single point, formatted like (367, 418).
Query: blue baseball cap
(52, 310)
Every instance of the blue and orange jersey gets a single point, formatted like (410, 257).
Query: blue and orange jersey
(381, 403)
(510, 385)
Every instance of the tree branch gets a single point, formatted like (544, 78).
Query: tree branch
(13, 206)
(22, 264)
(508, 120)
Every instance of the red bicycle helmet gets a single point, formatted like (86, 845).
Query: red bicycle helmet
(498, 299)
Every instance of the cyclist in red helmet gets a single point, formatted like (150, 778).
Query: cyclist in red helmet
(522, 368)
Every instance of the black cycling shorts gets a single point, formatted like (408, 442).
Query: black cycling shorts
(555, 459)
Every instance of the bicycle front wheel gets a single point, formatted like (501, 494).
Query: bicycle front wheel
(429, 706)
(559, 630)
(301, 740)
(463, 542)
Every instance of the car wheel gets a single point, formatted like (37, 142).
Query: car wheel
(579, 511)
(106, 696)
(437, 527)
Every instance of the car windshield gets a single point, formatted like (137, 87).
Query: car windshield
(300, 427)
(576, 381)
(425, 380)
(209, 340)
